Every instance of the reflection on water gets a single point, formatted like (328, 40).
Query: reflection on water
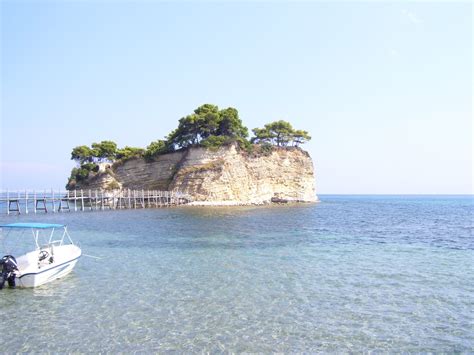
(348, 274)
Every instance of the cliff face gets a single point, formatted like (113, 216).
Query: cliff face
(223, 177)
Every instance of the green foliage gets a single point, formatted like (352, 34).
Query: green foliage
(87, 158)
(231, 125)
(82, 154)
(207, 121)
(300, 137)
(266, 148)
(262, 135)
(281, 130)
(244, 144)
(105, 150)
(279, 133)
(81, 173)
(129, 152)
(155, 148)
(214, 142)
(90, 167)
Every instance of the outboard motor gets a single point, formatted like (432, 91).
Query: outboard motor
(8, 267)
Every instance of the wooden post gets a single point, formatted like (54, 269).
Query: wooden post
(82, 200)
(15, 201)
(75, 200)
(54, 206)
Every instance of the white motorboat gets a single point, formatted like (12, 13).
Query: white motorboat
(49, 261)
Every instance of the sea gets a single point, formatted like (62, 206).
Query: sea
(347, 274)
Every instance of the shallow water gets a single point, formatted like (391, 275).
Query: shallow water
(386, 273)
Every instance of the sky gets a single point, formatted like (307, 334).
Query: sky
(384, 89)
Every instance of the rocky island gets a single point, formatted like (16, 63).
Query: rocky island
(208, 158)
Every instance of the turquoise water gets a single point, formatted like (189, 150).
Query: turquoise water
(381, 273)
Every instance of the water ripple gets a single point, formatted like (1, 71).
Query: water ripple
(350, 274)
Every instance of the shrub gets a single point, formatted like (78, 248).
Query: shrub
(90, 167)
(214, 142)
(266, 149)
(129, 152)
(156, 148)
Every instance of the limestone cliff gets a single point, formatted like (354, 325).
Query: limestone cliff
(226, 176)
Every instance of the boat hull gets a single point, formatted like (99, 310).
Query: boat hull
(42, 274)
(45, 276)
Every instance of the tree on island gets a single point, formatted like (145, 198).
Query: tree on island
(82, 154)
(280, 133)
(300, 137)
(98, 152)
(129, 152)
(105, 150)
(87, 158)
(230, 124)
(205, 125)
(156, 148)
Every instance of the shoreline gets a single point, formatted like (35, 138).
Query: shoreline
(240, 203)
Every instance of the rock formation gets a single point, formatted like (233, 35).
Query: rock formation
(227, 176)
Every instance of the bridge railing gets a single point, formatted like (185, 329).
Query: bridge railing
(50, 200)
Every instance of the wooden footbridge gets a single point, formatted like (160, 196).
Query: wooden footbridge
(30, 201)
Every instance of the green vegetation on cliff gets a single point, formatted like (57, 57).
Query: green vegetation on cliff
(88, 159)
(206, 127)
(280, 133)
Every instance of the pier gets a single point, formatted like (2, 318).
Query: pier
(51, 201)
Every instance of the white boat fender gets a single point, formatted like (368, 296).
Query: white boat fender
(9, 269)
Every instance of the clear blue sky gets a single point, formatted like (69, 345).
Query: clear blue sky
(384, 89)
